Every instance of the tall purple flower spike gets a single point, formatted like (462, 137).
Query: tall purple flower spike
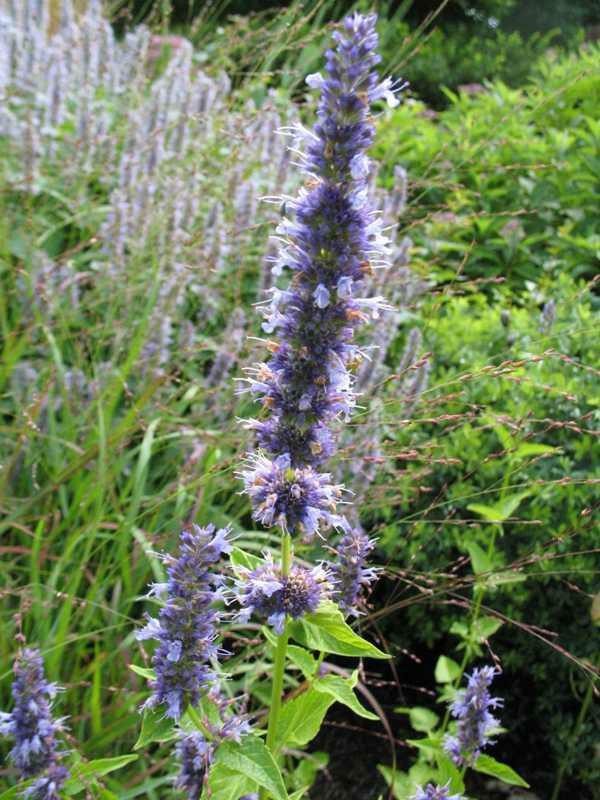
(471, 708)
(35, 753)
(331, 247)
(186, 625)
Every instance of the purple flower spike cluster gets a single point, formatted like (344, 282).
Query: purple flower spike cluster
(195, 754)
(268, 593)
(475, 722)
(35, 753)
(187, 623)
(331, 248)
(431, 792)
(350, 573)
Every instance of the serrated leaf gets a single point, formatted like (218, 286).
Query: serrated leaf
(225, 784)
(341, 689)
(250, 757)
(156, 727)
(431, 745)
(302, 659)
(484, 627)
(500, 511)
(448, 773)
(83, 772)
(301, 718)
(446, 670)
(326, 630)
(489, 766)
(144, 672)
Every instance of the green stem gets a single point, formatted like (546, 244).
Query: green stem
(279, 665)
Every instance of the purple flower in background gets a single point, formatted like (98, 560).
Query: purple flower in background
(431, 792)
(186, 625)
(331, 248)
(471, 708)
(195, 755)
(30, 724)
(350, 573)
(299, 500)
(265, 591)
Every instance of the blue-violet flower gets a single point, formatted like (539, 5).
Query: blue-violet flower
(186, 624)
(471, 708)
(431, 792)
(31, 725)
(350, 573)
(265, 591)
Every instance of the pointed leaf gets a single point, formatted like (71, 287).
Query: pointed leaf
(251, 758)
(83, 772)
(156, 727)
(446, 670)
(301, 718)
(326, 630)
(489, 766)
(341, 690)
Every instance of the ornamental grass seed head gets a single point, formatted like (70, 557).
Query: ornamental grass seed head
(186, 627)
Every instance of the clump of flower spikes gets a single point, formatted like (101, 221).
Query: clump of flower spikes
(35, 753)
(331, 248)
(432, 792)
(272, 595)
(186, 626)
(471, 709)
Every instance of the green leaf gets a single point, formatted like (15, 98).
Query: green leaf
(400, 782)
(480, 561)
(422, 719)
(446, 670)
(14, 791)
(430, 745)
(532, 449)
(500, 511)
(240, 558)
(326, 630)
(83, 772)
(156, 727)
(489, 766)
(302, 659)
(341, 690)
(484, 627)
(301, 718)
(145, 672)
(448, 773)
(251, 758)
(225, 784)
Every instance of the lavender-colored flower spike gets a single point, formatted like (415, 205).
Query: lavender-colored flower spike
(333, 244)
(431, 792)
(195, 755)
(471, 708)
(30, 724)
(265, 591)
(186, 625)
(350, 573)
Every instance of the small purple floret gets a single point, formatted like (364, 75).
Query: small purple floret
(268, 594)
(298, 500)
(186, 627)
(431, 792)
(35, 753)
(475, 722)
